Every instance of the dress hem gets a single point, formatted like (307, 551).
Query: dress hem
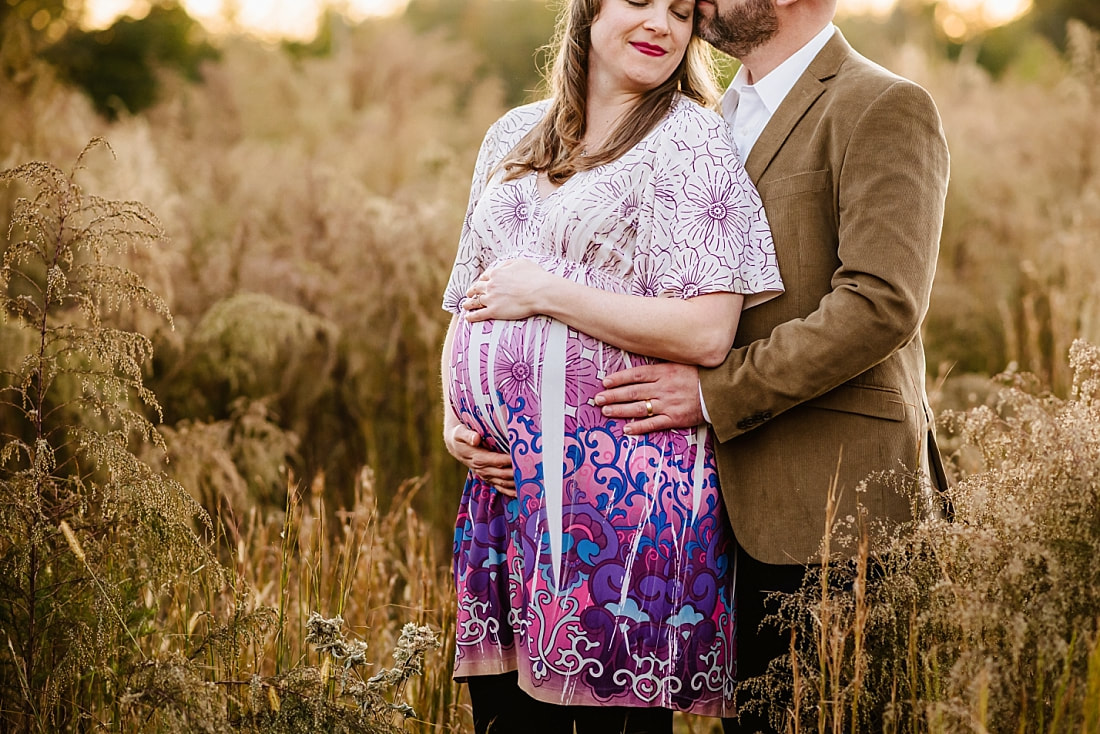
(549, 693)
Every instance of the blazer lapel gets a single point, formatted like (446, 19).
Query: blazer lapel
(803, 94)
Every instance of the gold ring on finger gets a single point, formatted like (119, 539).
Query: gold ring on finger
(649, 409)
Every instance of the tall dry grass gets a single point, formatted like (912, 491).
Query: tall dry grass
(1018, 261)
(312, 207)
(986, 621)
(311, 210)
(378, 571)
(127, 607)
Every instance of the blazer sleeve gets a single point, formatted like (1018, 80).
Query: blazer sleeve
(891, 182)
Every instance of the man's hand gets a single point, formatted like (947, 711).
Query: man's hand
(492, 466)
(658, 396)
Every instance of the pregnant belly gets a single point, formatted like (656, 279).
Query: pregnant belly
(502, 372)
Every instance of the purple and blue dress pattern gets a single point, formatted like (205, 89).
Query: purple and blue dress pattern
(609, 579)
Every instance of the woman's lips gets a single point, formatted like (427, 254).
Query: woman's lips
(649, 50)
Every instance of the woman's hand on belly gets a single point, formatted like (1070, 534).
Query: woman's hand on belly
(492, 466)
(510, 290)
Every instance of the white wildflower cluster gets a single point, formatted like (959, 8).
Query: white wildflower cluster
(415, 640)
(327, 636)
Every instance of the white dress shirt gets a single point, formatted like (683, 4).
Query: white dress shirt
(749, 107)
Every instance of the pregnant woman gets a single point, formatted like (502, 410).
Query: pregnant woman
(609, 221)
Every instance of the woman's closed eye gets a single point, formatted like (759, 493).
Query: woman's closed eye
(682, 10)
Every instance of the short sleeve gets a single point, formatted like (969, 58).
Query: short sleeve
(469, 262)
(705, 230)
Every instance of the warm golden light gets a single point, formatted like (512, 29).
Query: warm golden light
(101, 13)
(957, 18)
(990, 12)
(862, 7)
(295, 19)
(298, 18)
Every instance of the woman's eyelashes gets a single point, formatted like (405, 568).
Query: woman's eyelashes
(680, 13)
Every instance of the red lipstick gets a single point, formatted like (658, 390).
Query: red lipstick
(648, 50)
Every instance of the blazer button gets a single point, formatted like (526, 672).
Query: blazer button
(753, 420)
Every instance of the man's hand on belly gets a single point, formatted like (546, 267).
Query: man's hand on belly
(657, 396)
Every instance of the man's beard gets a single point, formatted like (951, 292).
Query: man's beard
(742, 29)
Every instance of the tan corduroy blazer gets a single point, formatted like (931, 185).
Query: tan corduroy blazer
(826, 382)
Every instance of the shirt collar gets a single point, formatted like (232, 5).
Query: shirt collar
(775, 86)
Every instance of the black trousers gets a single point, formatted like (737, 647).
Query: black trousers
(758, 645)
(502, 707)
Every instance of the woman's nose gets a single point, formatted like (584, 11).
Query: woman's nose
(657, 19)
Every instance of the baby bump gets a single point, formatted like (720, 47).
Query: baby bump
(502, 371)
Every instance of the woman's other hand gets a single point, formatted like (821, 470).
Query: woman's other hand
(492, 466)
(510, 290)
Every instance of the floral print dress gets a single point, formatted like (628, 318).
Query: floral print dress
(609, 579)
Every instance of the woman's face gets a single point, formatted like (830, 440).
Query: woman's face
(637, 44)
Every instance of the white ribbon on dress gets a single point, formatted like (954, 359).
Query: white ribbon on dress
(697, 471)
(552, 405)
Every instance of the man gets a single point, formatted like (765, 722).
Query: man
(825, 384)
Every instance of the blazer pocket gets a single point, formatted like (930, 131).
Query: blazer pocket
(869, 400)
(800, 183)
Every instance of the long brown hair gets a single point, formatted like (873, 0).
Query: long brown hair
(553, 145)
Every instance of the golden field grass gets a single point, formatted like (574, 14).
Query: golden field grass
(298, 219)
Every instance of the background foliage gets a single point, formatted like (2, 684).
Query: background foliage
(307, 199)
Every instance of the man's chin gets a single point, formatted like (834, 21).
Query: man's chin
(705, 33)
(704, 28)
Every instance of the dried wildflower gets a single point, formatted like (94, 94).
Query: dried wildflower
(327, 636)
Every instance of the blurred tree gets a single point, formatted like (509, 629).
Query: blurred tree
(331, 26)
(1025, 44)
(47, 20)
(118, 66)
(26, 27)
(1007, 46)
(1049, 17)
(909, 23)
(507, 34)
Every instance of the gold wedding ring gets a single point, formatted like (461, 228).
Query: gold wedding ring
(477, 297)
(649, 409)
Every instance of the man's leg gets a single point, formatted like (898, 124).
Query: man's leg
(758, 645)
